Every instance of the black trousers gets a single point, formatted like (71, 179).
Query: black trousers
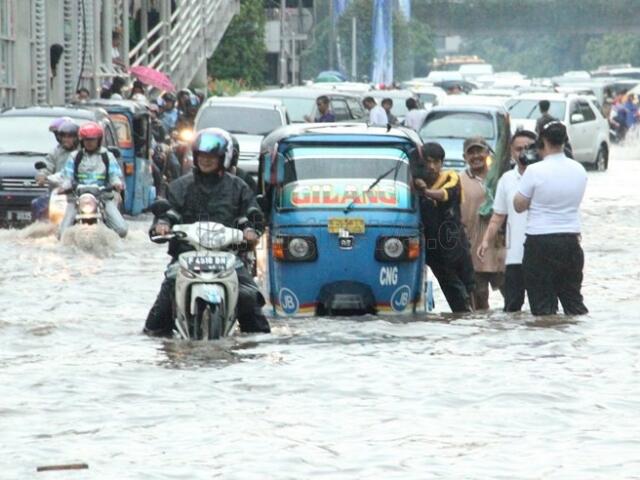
(513, 288)
(456, 279)
(552, 267)
(160, 321)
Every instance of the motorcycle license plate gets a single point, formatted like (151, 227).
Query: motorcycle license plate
(351, 225)
(206, 263)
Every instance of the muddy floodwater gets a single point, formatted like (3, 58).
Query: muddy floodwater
(484, 396)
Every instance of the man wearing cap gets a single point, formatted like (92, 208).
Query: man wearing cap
(552, 191)
(489, 271)
(506, 190)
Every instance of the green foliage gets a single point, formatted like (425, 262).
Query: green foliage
(241, 53)
(612, 49)
(413, 44)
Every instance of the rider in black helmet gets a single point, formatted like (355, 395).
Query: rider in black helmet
(210, 193)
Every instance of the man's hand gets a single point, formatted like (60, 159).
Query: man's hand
(162, 229)
(420, 184)
(119, 187)
(482, 249)
(250, 236)
(41, 179)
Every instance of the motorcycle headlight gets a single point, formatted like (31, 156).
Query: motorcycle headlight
(186, 135)
(87, 204)
(393, 248)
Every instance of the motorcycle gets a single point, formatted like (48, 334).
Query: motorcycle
(206, 287)
(89, 201)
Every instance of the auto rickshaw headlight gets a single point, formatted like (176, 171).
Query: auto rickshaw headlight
(298, 247)
(397, 249)
(294, 248)
(393, 248)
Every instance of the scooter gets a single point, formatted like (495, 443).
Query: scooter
(207, 287)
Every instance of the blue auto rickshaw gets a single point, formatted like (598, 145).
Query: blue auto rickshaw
(132, 123)
(344, 228)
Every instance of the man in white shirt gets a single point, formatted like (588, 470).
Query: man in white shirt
(377, 114)
(414, 117)
(551, 191)
(516, 223)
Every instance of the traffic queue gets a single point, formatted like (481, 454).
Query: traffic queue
(358, 213)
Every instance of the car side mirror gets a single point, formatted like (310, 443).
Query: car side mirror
(115, 151)
(40, 165)
(577, 118)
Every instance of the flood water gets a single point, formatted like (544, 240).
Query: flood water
(472, 397)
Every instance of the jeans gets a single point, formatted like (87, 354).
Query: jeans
(112, 217)
(160, 321)
(552, 268)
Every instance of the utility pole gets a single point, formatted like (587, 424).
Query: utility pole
(354, 50)
(283, 47)
(332, 35)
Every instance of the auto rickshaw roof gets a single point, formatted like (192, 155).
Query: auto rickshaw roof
(339, 133)
(131, 106)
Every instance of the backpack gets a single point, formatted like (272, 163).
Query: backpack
(78, 159)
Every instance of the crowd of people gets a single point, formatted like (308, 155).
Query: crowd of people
(531, 241)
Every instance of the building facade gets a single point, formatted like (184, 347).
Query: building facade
(49, 48)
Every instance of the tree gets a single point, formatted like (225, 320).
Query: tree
(612, 49)
(241, 53)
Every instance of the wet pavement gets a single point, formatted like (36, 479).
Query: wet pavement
(481, 396)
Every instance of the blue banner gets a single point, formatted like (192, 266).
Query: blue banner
(382, 68)
(339, 6)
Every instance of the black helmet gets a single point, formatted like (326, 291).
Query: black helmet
(213, 140)
(236, 151)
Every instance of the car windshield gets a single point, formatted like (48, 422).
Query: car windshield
(332, 177)
(528, 109)
(298, 108)
(28, 134)
(234, 119)
(458, 125)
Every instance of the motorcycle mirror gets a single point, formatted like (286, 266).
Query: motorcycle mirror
(115, 151)
(159, 207)
(40, 165)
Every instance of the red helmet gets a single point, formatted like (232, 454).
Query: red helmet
(90, 130)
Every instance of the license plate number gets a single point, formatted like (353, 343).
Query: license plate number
(18, 215)
(351, 225)
(206, 263)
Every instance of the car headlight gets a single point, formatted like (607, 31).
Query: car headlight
(393, 248)
(87, 204)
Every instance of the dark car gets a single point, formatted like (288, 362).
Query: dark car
(24, 140)
(301, 104)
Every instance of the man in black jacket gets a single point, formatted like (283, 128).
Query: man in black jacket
(209, 194)
(447, 246)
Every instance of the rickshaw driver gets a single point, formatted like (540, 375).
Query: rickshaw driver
(210, 193)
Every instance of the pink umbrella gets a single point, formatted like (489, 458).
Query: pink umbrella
(152, 77)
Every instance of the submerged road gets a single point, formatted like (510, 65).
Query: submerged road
(481, 396)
